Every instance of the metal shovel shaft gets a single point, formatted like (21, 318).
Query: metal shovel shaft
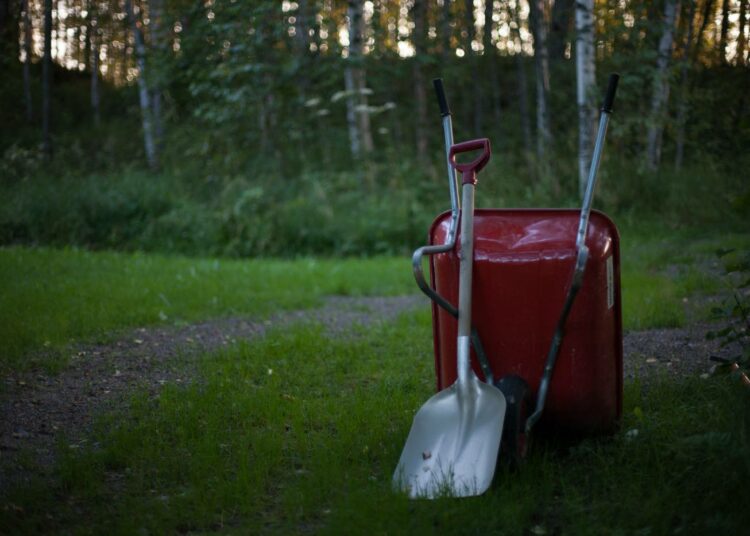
(465, 280)
(581, 256)
(455, 437)
(450, 240)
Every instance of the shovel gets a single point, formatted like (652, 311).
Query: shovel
(454, 440)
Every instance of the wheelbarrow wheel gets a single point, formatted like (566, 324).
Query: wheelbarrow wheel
(514, 444)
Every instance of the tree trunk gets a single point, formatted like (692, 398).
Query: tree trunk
(302, 46)
(351, 114)
(682, 110)
(523, 90)
(660, 96)
(419, 11)
(473, 59)
(9, 28)
(541, 62)
(585, 83)
(562, 15)
(4, 22)
(95, 70)
(490, 54)
(157, 45)
(724, 31)
(358, 115)
(302, 27)
(445, 29)
(47, 80)
(27, 62)
(741, 39)
(87, 39)
(707, 15)
(143, 93)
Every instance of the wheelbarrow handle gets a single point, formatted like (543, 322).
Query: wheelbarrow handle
(442, 100)
(581, 256)
(596, 159)
(609, 97)
(450, 241)
(469, 170)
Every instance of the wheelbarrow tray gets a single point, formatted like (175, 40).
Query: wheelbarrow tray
(523, 263)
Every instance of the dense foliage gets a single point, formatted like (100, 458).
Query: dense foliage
(255, 150)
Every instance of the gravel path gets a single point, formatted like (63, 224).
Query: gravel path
(36, 406)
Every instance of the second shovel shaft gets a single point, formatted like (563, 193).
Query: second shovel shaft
(466, 260)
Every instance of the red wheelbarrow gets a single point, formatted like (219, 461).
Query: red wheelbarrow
(542, 312)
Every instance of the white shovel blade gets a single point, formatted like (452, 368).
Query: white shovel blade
(453, 443)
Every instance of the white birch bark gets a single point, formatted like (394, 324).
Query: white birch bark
(741, 38)
(585, 83)
(522, 88)
(490, 54)
(27, 61)
(47, 80)
(95, 69)
(660, 96)
(354, 76)
(351, 115)
(723, 36)
(143, 93)
(419, 15)
(157, 45)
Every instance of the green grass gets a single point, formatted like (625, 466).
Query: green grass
(50, 297)
(662, 273)
(300, 433)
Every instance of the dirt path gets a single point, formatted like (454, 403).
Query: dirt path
(36, 407)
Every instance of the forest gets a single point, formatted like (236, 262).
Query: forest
(246, 128)
(209, 322)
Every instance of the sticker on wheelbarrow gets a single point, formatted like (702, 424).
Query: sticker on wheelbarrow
(610, 283)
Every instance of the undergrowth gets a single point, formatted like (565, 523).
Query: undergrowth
(301, 433)
(379, 208)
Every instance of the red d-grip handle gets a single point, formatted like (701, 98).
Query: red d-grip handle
(469, 170)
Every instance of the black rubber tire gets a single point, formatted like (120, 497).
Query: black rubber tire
(514, 444)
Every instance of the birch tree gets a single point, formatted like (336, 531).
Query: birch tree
(660, 94)
(741, 39)
(419, 15)
(541, 62)
(94, 44)
(47, 80)
(155, 89)
(473, 60)
(585, 82)
(490, 54)
(724, 34)
(523, 87)
(682, 109)
(357, 115)
(27, 61)
(445, 29)
(143, 93)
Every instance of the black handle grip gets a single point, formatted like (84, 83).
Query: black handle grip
(609, 98)
(442, 100)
